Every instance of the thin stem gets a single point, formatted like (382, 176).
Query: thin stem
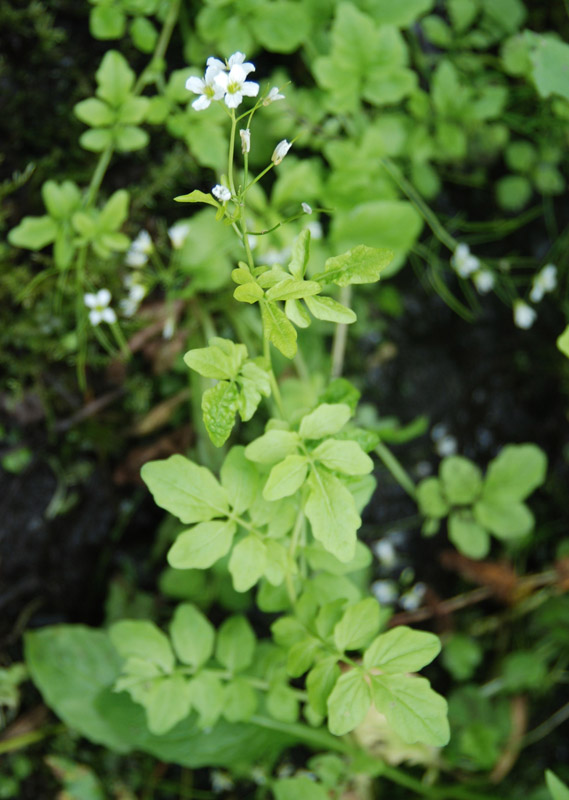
(274, 385)
(428, 215)
(231, 153)
(547, 727)
(340, 337)
(397, 470)
(98, 175)
(18, 742)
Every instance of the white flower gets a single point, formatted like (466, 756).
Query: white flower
(524, 315)
(280, 151)
(544, 282)
(245, 135)
(413, 598)
(463, 262)
(385, 553)
(129, 306)
(273, 96)
(239, 58)
(484, 281)
(221, 193)
(385, 592)
(306, 208)
(233, 84)
(139, 250)
(178, 234)
(206, 87)
(99, 305)
(169, 327)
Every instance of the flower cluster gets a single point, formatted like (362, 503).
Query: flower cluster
(139, 250)
(227, 82)
(99, 305)
(468, 266)
(544, 282)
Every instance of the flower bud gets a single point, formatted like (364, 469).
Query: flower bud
(245, 140)
(280, 151)
(221, 193)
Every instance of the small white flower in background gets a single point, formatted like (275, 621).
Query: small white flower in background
(99, 305)
(139, 250)
(484, 281)
(206, 87)
(169, 327)
(273, 96)
(178, 234)
(411, 600)
(524, 315)
(447, 446)
(220, 781)
(385, 553)
(253, 242)
(137, 292)
(463, 262)
(306, 208)
(545, 281)
(385, 592)
(245, 135)
(280, 151)
(221, 193)
(234, 84)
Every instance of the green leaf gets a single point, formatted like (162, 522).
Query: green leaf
(71, 665)
(271, 24)
(286, 478)
(343, 456)
(219, 406)
(300, 254)
(293, 289)
(248, 563)
(301, 656)
(562, 341)
(189, 492)
(203, 545)
(402, 650)
(107, 22)
(516, 471)
(361, 264)
(207, 698)
(115, 78)
(297, 314)
(326, 420)
(557, 789)
(431, 500)
(321, 559)
(461, 655)
(94, 112)
(248, 293)
(255, 382)
(33, 233)
(240, 480)
(524, 670)
(461, 480)
(348, 702)
(167, 702)
(300, 789)
(403, 13)
(275, 445)
(61, 200)
(319, 683)
(277, 329)
(144, 34)
(222, 359)
(197, 197)
(412, 708)
(235, 644)
(329, 310)
(142, 639)
(282, 703)
(550, 62)
(129, 137)
(359, 624)
(240, 701)
(331, 510)
(115, 211)
(467, 535)
(506, 518)
(192, 635)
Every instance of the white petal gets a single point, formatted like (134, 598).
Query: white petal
(221, 81)
(236, 58)
(250, 89)
(195, 85)
(90, 300)
(201, 103)
(95, 317)
(108, 315)
(134, 259)
(237, 74)
(233, 100)
(103, 297)
(215, 63)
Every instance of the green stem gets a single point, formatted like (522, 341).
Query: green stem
(98, 175)
(231, 153)
(340, 337)
(394, 466)
(274, 385)
(19, 742)
(428, 215)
